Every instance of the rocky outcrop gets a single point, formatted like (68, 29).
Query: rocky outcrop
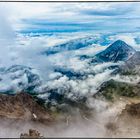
(132, 65)
(22, 106)
(132, 110)
(33, 134)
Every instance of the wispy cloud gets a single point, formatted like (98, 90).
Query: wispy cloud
(74, 17)
(114, 10)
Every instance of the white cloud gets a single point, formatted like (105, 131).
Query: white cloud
(127, 79)
(129, 38)
(68, 12)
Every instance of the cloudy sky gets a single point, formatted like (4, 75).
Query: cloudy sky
(73, 17)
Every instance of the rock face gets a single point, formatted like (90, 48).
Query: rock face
(70, 45)
(22, 106)
(134, 60)
(132, 64)
(33, 134)
(118, 51)
(132, 110)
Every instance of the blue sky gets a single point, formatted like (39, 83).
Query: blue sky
(74, 17)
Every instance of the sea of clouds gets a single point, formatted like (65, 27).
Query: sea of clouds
(26, 50)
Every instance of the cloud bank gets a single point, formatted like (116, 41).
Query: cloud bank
(27, 33)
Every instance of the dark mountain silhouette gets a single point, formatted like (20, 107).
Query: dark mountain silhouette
(118, 51)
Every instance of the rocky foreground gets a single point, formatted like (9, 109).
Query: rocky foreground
(33, 134)
(22, 106)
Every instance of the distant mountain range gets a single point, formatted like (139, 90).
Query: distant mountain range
(26, 79)
(76, 44)
(131, 67)
(118, 51)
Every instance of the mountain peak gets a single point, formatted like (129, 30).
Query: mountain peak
(119, 41)
(120, 44)
(117, 51)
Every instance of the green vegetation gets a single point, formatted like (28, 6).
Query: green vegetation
(128, 73)
(112, 89)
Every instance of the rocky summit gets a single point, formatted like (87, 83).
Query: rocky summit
(118, 51)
